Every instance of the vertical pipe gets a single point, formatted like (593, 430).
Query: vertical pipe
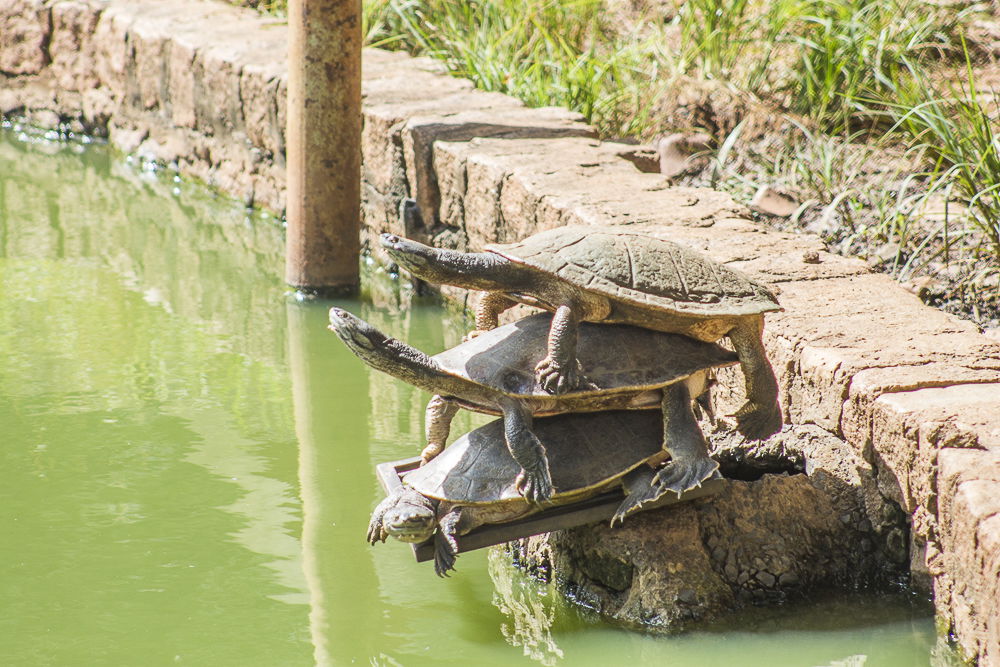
(324, 145)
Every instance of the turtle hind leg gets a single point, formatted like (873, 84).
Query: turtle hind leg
(437, 425)
(488, 310)
(689, 463)
(760, 416)
(756, 422)
(639, 491)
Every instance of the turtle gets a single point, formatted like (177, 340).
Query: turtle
(613, 275)
(473, 482)
(631, 368)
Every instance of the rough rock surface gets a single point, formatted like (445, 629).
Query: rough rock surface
(756, 541)
(912, 391)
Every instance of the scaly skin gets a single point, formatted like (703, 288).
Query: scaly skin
(488, 310)
(437, 424)
(760, 416)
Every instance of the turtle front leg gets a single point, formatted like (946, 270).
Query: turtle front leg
(488, 310)
(446, 542)
(639, 491)
(760, 416)
(689, 463)
(437, 425)
(534, 482)
(560, 372)
(376, 529)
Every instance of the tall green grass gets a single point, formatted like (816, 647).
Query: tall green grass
(545, 52)
(955, 128)
(852, 50)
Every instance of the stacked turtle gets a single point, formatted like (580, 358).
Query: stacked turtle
(633, 325)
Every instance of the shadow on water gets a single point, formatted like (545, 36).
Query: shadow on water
(186, 459)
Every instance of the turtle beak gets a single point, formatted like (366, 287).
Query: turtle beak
(338, 319)
(410, 524)
(408, 253)
(350, 329)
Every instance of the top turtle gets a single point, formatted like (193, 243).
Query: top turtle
(613, 275)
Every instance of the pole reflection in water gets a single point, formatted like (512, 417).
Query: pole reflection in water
(333, 480)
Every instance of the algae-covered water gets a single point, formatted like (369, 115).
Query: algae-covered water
(186, 462)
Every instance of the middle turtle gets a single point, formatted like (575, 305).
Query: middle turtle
(631, 369)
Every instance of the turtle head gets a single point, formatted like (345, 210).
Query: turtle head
(413, 518)
(364, 340)
(472, 270)
(385, 353)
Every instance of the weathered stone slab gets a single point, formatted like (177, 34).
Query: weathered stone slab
(74, 23)
(500, 121)
(908, 427)
(503, 190)
(112, 51)
(833, 329)
(967, 588)
(25, 26)
(259, 85)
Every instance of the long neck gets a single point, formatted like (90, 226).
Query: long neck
(485, 271)
(413, 367)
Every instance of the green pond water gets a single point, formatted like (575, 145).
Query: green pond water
(186, 462)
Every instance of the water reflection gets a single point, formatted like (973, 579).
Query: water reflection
(143, 417)
(529, 614)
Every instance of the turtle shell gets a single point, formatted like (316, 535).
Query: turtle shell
(642, 270)
(617, 357)
(584, 451)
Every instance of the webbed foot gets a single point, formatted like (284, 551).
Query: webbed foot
(681, 476)
(558, 378)
(756, 422)
(631, 505)
(535, 484)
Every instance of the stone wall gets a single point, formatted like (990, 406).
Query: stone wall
(201, 85)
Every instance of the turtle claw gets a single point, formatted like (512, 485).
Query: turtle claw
(535, 485)
(376, 533)
(475, 333)
(756, 422)
(681, 476)
(629, 506)
(558, 378)
(430, 451)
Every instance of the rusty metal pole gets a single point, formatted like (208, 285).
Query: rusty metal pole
(324, 145)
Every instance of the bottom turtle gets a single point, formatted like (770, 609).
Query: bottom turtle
(473, 482)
